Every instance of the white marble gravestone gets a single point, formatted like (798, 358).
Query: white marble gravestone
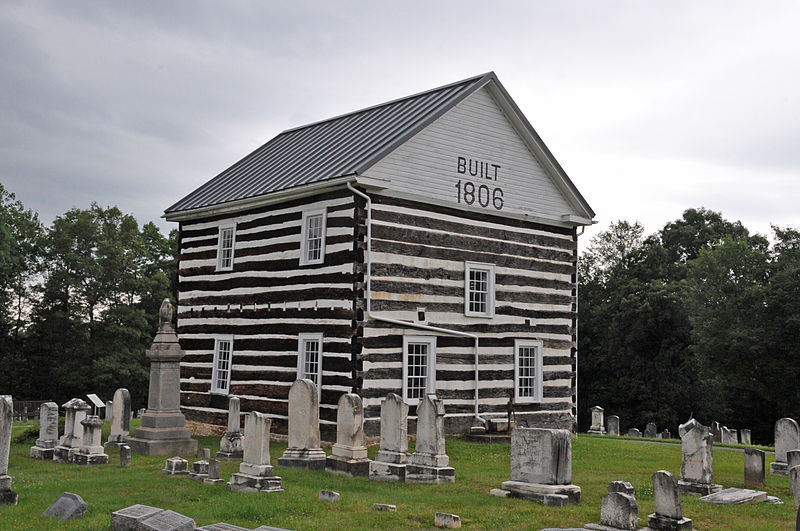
(697, 467)
(304, 450)
(120, 416)
(349, 454)
(598, 424)
(787, 437)
(668, 515)
(230, 446)
(256, 474)
(392, 457)
(541, 464)
(90, 452)
(48, 432)
(75, 412)
(430, 463)
(7, 496)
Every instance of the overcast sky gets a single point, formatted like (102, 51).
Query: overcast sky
(651, 107)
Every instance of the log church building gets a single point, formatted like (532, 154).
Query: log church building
(424, 245)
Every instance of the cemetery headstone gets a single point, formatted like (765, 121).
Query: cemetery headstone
(793, 458)
(167, 521)
(176, 466)
(68, 506)
(230, 446)
(349, 454)
(541, 464)
(124, 456)
(787, 437)
(734, 436)
(618, 509)
(199, 471)
(206, 453)
(633, 432)
(7, 496)
(598, 424)
(75, 412)
(328, 496)
(716, 431)
(613, 425)
(430, 463)
(304, 450)
(48, 432)
(651, 430)
(666, 434)
(256, 474)
(794, 484)
(754, 467)
(128, 519)
(107, 410)
(726, 435)
(163, 430)
(213, 473)
(392, 457)
(120, 414)
(744, 435)
(668, 513)
(90, 452)
(447, 520)
(697, 467)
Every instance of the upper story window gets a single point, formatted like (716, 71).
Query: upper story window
(309, 359)
(312, 237)
(478, 289)
(527, 370)
(221, 373)
(419, 367)
(227, 239)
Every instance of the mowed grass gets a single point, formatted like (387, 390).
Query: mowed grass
(479, 468)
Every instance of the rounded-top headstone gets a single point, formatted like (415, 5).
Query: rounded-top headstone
(787, 437)
(667, 498)
(303, 415)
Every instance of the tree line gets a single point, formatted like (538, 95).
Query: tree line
(79, 301)
(700, 318)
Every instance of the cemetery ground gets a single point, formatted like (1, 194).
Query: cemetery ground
(597, 460)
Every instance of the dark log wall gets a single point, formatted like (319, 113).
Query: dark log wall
(265, 302)
(418, 255)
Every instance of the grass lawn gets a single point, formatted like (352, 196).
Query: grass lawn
(479, 468)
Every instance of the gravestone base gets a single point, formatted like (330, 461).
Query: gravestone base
(182, 446)
(194, 476)
(209, 481)
(122, 441)
(231, 447)
(596, 430)
(90, 459)
(701, 489)
(261, 481)
(230, 456)
(658, 522)
(601, 527)
(779, 468)
(430, 474)
(537, 491)
(61, 454)
(308, 459)
(7, 496)
(390, 472)
(343, 466)
(45, 454)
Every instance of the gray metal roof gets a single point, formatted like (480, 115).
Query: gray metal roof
(341, 146)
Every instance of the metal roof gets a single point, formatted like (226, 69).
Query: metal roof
(337, 147)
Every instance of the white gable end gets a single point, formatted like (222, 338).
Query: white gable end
(473, 157)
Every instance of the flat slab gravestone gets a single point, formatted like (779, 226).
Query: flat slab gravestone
(230, 446)
(430, 463)
(598, 425)
(167, 521)
(48, 432)
(7, 496)
(304, 450)
(734, 496)
(392, 457)
(787, 437)
(68, 506)
(128, 519)
(222, 526)
(754, 467)
(349, 454)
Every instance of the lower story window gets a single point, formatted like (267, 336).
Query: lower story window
(419, 367)
(221, 373)
(309, 358)
(527, 370)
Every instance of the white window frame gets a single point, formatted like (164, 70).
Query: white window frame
(221, 250)
(490, 295)
(302, 358)
(216, 388)
(536, 396)
(304, 241)
(430, 376)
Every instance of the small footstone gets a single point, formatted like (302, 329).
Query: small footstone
(500, 493)
(124, 456)
(328, 496)
(447, 520)
(385, 507)
(127, 519)
(556, 500)
(207, 454)
(167, 521)
(68, 506)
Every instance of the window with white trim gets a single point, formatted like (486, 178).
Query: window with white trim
(309, 359)
(478, 289)
(312, 237)
(419, 367)
(221, 373)
(225, 244)
(527, 370)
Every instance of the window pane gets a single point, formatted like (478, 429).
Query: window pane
(417, 356)
(478, 290)
(311, 369)
(226, 248)
(526, 372)
(314, 237)
(222, 365)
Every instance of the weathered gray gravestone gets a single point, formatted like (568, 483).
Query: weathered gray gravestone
(7, 496)
(163, 430)
(793, 458)
(304, 450)
(754, 467)
(120, 414)
(213, 473)
(541, 464)
(75, 412)
(668, 513)
(794, 484)
(787, 437)
(735, 496)
(230, 446)
(349, 454)
(124, 456)
(199, 471)
(176, 466)
(697, 467)
(392, 457)
(618, 509)
(716, 431)
(633, 432)
(726, 435)
(255, 471)
(167, 521)
(613, 425)
(127, 519)
(745, 436)
(90, 452)
(598, 425)
(651, 430)
(48, 432)
(107, 410)
(430, 463)
(68, 506)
